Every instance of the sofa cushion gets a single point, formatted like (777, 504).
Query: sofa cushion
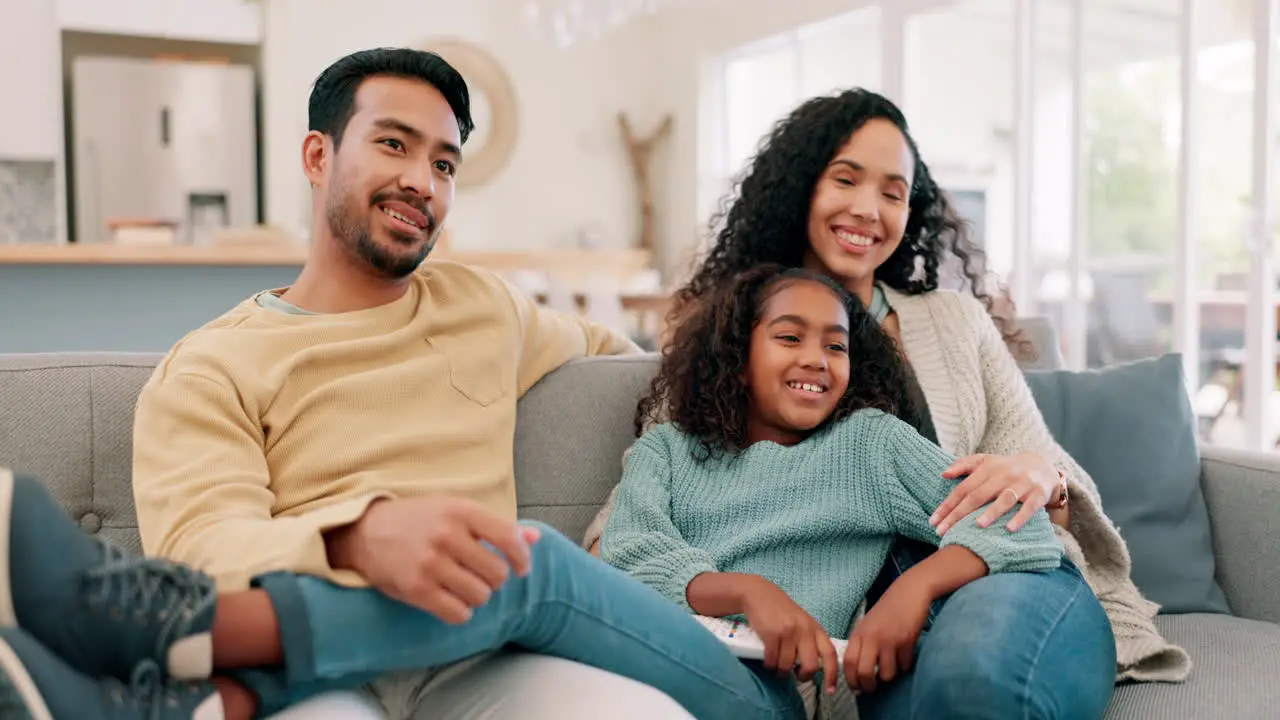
(1237, 663)
(1131, 427)
(571, 430)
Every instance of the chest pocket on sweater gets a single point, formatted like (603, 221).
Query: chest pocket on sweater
(481, 365)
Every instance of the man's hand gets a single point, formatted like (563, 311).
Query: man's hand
(431, 553)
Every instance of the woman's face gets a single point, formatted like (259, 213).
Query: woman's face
(860, 205)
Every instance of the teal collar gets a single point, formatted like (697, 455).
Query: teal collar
(879, 305)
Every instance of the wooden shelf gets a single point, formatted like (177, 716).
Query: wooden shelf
(620, 263)
(95, 254)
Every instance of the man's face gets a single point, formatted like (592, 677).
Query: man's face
(388, 188)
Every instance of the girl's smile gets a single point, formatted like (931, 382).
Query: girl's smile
(798, 365)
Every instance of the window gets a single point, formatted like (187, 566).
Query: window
(753, 86)
(760, 87)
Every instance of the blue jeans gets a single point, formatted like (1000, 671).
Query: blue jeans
(571, 605)
(1011, 645)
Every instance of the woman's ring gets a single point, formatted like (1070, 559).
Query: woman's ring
(1016, 498)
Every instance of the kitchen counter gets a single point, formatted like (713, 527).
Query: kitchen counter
(103, 254)
(146, 298)
(80, 299)
(621, 263)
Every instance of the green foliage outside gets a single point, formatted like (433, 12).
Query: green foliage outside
(1132, 116)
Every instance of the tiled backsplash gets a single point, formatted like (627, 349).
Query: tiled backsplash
(28, 201)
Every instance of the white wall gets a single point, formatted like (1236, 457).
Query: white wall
(226, 21)
(569, 166)
(687, 44)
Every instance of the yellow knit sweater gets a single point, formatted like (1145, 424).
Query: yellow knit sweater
(262, 430)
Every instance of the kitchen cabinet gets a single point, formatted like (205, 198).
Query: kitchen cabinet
(220, 21)
(30, 81)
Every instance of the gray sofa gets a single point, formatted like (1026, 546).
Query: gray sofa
(68, 419)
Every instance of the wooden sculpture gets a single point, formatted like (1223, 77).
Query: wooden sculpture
(640, 151)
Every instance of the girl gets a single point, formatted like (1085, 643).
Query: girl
(780, 481)
(840, 187)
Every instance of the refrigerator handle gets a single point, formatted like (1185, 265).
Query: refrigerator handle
(164, 126)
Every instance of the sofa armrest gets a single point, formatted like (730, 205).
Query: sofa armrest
(1242, 492)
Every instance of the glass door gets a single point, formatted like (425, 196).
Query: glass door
(1126, 170)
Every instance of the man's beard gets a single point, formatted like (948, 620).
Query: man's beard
(352, 230)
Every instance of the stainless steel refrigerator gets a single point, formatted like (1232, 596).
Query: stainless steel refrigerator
(167, 141)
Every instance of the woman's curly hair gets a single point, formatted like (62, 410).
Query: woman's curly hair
(701, 382)
(765, 218)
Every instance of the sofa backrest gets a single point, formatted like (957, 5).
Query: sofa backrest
(68, 419)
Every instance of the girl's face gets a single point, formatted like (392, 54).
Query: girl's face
(798, 366)
(860, 205)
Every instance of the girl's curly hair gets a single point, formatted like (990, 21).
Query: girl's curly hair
(765, 218)
(701, 382)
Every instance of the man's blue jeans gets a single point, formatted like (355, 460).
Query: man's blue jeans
(572, 605)
(1014, 645)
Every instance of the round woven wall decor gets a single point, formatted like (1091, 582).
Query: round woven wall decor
(493, 107)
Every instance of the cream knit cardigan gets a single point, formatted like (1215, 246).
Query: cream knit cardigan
(980, 403)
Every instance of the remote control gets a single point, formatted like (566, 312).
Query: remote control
(743, 641)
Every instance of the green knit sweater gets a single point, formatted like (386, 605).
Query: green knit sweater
(816, 519)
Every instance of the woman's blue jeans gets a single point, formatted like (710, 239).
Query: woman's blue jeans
(1013, 645)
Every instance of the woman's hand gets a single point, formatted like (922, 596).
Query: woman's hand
(792, 638)
(1003, 481)
(882, 644)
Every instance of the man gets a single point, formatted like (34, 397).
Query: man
(338, 456)
(267, 434)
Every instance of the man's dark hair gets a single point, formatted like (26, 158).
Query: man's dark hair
(333, 96)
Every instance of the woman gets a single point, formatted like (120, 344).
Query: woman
(778, 483)
(839, 187)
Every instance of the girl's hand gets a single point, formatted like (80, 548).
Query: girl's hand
(882, 644)
(792, 638)
(1003, 481)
